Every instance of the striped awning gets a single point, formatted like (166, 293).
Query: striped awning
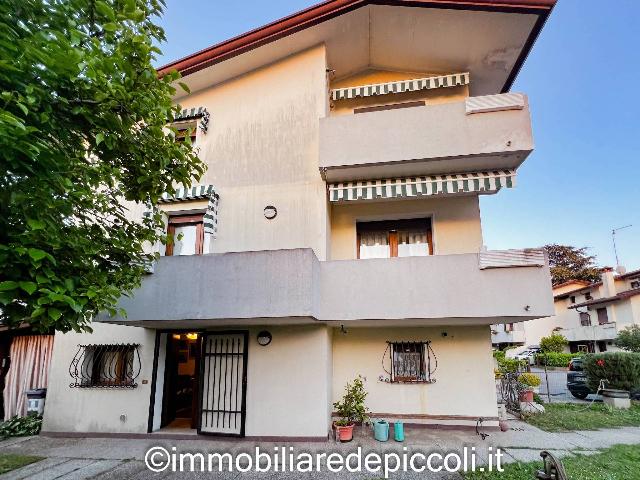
(409, 187)
(401, 86)
(198, 192)
(194, 113)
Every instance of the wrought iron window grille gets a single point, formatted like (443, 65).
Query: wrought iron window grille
(106, 366)
(411, 362)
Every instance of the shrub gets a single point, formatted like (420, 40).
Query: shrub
(21, 426)
(555, 359)
(621, 370)
(511, 365)
(629, 339)
(499, 355)
(553, 343)
(352, 408)
(529, 379)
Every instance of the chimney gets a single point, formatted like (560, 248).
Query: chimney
(608, 282)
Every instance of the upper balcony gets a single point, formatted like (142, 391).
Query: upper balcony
(605, 331)
(292, 286)
(479, 134)
(514, 336)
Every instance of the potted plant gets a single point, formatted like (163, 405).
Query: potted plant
(528, 383)
(351, 409)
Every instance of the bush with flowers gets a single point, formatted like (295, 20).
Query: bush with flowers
(620, 370)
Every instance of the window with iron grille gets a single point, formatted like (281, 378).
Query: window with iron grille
(412, 362)
(105, 366)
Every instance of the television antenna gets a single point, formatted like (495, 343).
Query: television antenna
(615, 248)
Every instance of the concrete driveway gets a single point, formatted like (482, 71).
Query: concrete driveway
(114, 458)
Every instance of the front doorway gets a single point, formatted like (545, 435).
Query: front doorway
(201, 383)
(223, 382)
(181, 381)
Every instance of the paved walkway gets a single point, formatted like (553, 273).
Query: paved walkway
(111, 458)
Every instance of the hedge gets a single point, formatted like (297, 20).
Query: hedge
(620, 369)
(555, 359)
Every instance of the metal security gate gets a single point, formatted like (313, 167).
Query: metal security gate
(223, 381)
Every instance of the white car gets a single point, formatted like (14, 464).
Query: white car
(529, 355)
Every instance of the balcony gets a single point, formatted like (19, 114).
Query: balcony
(606, 331)
(515, 336)
(479, 134)
(292, 286)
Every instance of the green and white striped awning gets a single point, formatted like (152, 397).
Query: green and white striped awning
(198, 192)
(194, 113)
(401, 86)
(410, 187)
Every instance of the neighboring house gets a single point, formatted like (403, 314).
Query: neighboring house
(589, 315)
(336, 232)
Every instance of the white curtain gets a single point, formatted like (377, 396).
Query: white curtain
(30, 359)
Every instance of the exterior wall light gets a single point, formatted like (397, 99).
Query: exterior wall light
(264, 338)
(270, 212)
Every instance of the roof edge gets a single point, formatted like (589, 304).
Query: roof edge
(332, 8)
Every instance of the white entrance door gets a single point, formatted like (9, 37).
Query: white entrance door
(223, 383)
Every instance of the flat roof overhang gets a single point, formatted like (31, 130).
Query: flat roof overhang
(492, 40)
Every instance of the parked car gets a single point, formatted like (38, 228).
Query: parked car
(529, 355)
(577, 379)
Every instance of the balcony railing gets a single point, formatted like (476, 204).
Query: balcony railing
(479, 134)
(605, 331)
(293, 283)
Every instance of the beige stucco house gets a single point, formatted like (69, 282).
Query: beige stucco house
(336, 232)
(589, 315)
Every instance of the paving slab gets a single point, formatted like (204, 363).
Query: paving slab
(92, 470)
(532, 455)
(126, 469)
(61, 469)
(12, 441)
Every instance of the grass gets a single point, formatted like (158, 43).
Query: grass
(619, 462)
(11, 462)
(559, 417)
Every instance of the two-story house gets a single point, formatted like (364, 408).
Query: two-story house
(588, 315)
(336, 232)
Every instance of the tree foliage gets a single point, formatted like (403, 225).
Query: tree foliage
(571, 263)
(82, 136)
(553, 343)
(629, 338)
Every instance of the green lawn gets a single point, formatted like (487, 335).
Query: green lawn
(11, 462)
(620, 462)
(560, 417)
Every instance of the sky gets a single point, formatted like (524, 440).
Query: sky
(583, 178)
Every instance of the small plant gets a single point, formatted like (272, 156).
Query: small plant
(352, 408)
(21, 426)
(529, 380)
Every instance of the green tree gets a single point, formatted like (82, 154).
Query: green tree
(553, 343)
(571, 263)
(82, 135)
(629, 338)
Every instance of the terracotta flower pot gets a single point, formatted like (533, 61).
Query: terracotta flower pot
(526, 396)
(345, 432)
